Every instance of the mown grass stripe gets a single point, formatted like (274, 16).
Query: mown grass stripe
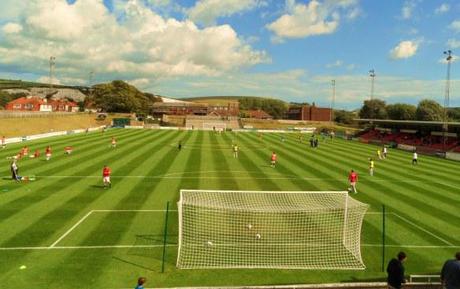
(42, 190)
(134, 199)
(36, 233)
(386, 188)
(56, 164)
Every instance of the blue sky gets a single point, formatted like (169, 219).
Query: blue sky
(284, 49)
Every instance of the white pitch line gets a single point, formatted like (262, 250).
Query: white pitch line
(424, 230)
(175, 245)
(154, 211)
(411, 246)
(83, 247)
(71, 229)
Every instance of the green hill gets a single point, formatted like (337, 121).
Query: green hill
(19, 84)
(275, 107)
(214, 99)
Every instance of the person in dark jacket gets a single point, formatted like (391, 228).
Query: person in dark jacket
(395, 271)
(450, 273)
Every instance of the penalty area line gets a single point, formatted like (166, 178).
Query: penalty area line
(70, 230)
(424, 230)
(84, 247)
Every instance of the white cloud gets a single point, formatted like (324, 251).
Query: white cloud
(404, 49)
(337, 63)
(351, 66)
(314, 18)
(407, 9)
(11, 28)
(46, 79)
(297, 85)
(207, 11)
(354, 13)
(444, 8)
(10, 9)
(455, 25)
(159, 2)
(133, 42)
(453, 43)
(140, 82)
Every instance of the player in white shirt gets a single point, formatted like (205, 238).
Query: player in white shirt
(414, 158)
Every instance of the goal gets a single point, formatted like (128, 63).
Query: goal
(265, 229)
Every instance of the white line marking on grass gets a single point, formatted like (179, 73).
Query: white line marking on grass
(424, 230)
(411, 246)
(175, 245)
(70, 230)
(96, 211)
(84, 247)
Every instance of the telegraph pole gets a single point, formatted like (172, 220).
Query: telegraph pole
(445, 127)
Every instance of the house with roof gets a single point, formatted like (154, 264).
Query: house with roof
(34, 103)
(259, 114)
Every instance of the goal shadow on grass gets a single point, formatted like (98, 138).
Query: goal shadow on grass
(142, 245)
(142, 252)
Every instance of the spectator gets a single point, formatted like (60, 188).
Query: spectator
(450, 273)
(395, 271)
(140, 283)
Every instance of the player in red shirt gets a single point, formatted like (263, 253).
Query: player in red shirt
(353, 178)
(68, 150)
(25, 151)
(273, 159)
(106, 177)
(37, 153)
(48, 153)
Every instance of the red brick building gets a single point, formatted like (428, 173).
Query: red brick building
(195, 108)
(259, 114)
(63, 105)
(309, 113)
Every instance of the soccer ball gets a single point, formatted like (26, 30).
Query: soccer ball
(249, 226)
(258, 237)
(209, 243)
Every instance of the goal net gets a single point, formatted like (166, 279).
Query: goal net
(217, 126)
(264, 229)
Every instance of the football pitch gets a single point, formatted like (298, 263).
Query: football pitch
(65, 230)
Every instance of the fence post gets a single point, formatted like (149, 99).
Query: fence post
(165, 238)
(383, 238)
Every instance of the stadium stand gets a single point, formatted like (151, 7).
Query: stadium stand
(426, 137)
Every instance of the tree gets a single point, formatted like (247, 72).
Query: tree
(6, 97)
(119, 96)
(274, 107)
(343, 116)
(429, 110)
(401, 111)
(373, 109)
(454, 113)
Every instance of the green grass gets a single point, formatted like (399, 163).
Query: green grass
(148, 171)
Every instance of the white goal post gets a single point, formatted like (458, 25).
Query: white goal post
(269, 229)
